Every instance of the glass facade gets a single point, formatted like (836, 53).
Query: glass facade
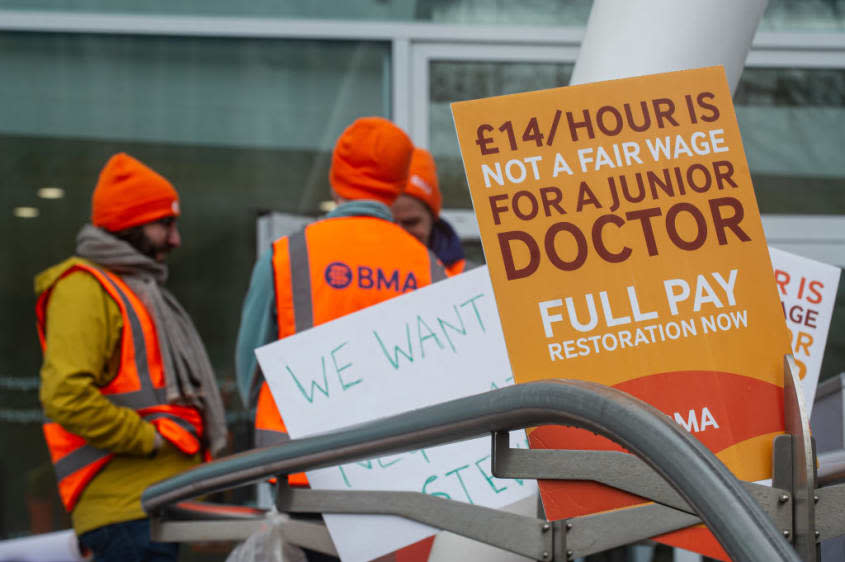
(781, 15)
(792, 121)
(470, 12)
(242, 126)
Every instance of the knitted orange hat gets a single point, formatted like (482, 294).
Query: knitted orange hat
(130, 193)
(370, 161)
(422, 181)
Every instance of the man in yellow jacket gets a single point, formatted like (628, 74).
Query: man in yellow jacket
(127, 388)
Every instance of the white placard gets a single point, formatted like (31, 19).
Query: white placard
(807, 291)
(436, 344)
(59, 546)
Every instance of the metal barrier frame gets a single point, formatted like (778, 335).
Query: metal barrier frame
(699, 479)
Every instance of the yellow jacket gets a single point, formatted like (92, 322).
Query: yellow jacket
(82, 353)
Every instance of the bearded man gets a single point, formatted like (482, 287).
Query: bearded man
(127, 388)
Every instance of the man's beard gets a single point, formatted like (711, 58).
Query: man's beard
(136, 238)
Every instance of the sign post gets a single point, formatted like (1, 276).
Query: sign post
(625, 247)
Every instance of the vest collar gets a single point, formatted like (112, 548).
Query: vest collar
(362, 208)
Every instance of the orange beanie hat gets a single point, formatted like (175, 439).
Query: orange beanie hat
(422, 181)
(130, 193)
(370, 161)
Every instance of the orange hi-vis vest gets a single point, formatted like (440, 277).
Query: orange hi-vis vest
(334, 267)
(139, 384)
(456, 267)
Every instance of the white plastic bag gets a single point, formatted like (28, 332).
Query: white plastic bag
(267, 545)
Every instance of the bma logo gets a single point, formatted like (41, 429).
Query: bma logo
(339, 275)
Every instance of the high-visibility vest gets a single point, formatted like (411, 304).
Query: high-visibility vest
(139, 384)
(334, 267)
(456, 267)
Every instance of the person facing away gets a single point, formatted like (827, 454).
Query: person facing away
(417, 210)
(355, 257)
(128, 392)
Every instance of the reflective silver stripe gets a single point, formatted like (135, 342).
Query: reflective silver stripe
(255, 386)
(139, 399)
(80, 458)
(438, 273)
(139, 343)
(300, 278)
(182, 423)
(268, 437)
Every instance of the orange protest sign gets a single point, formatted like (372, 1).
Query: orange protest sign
(625, 247)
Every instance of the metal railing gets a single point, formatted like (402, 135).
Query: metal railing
(713, 494)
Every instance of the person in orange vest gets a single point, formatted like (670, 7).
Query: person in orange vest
(353, 258)
(417, 210)
(128, 391)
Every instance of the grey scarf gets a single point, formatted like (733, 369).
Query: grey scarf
(187, 369)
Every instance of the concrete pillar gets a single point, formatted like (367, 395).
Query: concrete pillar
(627, 38)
